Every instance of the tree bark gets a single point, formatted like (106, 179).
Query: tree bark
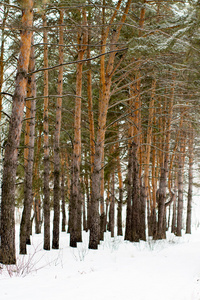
(75, 199)
(84, 213)
(91, 126)
(26, 224)
(112, 207)
(148, 150)
(7, 254)
(161, 192)
(161, 198)
(36, 183)
(180, 189)
(87, 192)
(102, 210)
(142, 212)
(153, 219)
(120, 201)
(174, 215)
(190, 175)
(6, 11)
(46, 201)
(56, 190)
(136, 201)
(128, 229)
(63, 196)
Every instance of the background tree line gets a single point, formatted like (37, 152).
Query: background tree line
(99, 107)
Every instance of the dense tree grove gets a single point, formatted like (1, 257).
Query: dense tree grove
(99, 111)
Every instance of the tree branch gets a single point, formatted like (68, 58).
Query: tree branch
(76, 61)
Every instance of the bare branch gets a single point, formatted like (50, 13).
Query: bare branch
(76, 61)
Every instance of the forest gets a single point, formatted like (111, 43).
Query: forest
(99, 111)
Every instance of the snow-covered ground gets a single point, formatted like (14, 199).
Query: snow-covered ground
(153, 270)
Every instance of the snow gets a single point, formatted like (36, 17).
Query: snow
(157, 270)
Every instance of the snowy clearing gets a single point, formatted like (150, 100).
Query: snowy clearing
(156, 270)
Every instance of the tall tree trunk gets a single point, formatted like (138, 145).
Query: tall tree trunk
(173, 229)
(91, 126)
(46, 201)
(102, 210)
(1, 75)
(161, 192)
(37, 212)
(84, 213)
(112, 206)
(36, 180)
(180, 188)
(87, 192)
(148, 150)
(7, 254)
(120, 201)
(75, 199)
(128, 229)
(136, 201)
(161, 198)
(169, 217)
(56, 204)
(68, 189)
(107, 204)
(63, 196)
(154, 187)
(26, 224)
(142, 212)
(174, 215)
(106, 77)
(190, 175)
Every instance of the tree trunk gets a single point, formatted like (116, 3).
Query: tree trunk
(36, 181)
(7, 255)
(142, 212)
(112, 207)
(148, 150)
(46, 201)
(153, 219)
(161, 192)
(102, 211)
(128, 229)
(136, 202)
(190, 175)
(107, 205)
(91, 126)
(84, 213)
(180, 189)
(63, 196)
(56, 219)
(120, 201)
(95, 198)
(2, 76)
(161, 199)
(37, 211)
(169, 217)
(26, 224)
(174, 215)
(6, 11)
(75, 199)
(174, 221)
(106, 77)
(88, 202)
